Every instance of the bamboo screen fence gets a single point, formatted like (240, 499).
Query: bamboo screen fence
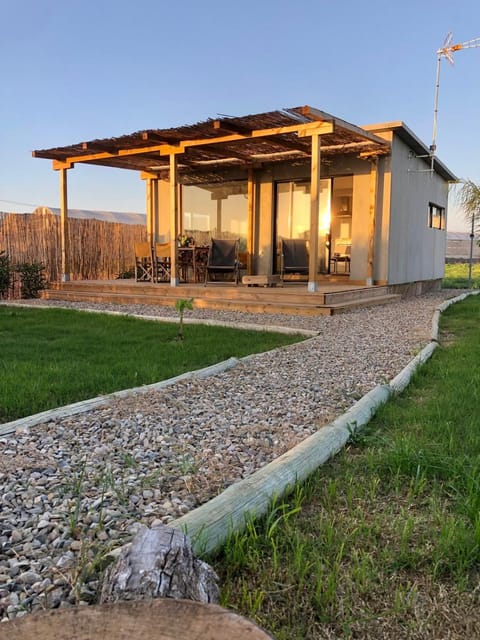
(98, 250)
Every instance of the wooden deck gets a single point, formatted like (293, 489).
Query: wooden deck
(333, 296)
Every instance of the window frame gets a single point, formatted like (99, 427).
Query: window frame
(436, 213)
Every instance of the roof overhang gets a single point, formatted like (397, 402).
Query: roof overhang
(400, 129)
(207, 150)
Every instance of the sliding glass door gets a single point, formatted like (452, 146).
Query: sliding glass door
(292, 216)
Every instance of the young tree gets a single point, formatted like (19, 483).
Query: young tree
(181, 305)
(469, 200)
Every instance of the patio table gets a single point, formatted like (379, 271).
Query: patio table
(192, 262)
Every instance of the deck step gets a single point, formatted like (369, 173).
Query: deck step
(286, 294)
(308, 307)
(342, 307)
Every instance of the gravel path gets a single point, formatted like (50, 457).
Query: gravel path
(73, 487)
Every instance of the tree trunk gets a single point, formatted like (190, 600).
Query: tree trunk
(159, 564)
(161, 619)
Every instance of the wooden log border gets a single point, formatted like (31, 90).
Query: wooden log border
(83, 406)
(209, 525)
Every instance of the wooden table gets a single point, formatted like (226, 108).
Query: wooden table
(192, 262)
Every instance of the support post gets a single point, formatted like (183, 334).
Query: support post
(372, 220)
(65, 247)
(470, 261)
(150, 207)
(251, 219)
(173, 219)
(314, 212)
(155, 210)
(180, 227)
(219, 216)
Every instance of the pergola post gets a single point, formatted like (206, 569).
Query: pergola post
(372, 220)
(155, 210)
(314, 212)
(219, 217)
(251, 219)
(65, 247)
(180, 228)
(150, 211)
(173, 219)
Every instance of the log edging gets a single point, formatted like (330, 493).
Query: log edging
(83, 406)
(209, 525)
(247, 326)
(92, 403)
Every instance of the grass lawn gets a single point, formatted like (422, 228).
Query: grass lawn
(384, 541)
(54, 357)
(456, 276)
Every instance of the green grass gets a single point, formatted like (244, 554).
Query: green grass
(456, 276)
(54, 357)
(384, 541)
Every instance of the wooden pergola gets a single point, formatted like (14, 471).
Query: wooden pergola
(210, 151)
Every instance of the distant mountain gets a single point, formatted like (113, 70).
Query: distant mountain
(108, 216)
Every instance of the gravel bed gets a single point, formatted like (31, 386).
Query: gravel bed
(74, 487)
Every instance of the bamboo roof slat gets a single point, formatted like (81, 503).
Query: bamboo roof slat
(245, 142)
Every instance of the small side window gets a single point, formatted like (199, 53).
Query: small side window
(436, 216)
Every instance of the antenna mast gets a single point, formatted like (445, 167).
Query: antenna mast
(447, 52)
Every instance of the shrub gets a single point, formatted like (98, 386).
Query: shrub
(32, 278)
(5, 274)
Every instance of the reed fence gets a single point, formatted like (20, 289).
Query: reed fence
(98, 250)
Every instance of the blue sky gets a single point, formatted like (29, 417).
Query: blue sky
(75, 70)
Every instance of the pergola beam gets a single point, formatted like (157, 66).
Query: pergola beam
(301, 129)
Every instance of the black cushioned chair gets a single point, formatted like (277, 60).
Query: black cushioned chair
(222, 262)
(294, 257)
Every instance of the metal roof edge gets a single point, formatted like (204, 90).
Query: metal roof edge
(414, 142)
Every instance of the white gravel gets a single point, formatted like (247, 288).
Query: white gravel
(75, 486)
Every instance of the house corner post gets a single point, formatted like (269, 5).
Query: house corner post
(372, 221)
(314, 212)
(173, 219)
(64, 228)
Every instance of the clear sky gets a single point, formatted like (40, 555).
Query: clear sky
(76, 70)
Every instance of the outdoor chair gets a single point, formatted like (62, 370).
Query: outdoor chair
(143, 262)
(293, 257)
(163, 262)
(341, 256)
(222, 262)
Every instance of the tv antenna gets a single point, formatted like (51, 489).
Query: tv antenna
(447, 52)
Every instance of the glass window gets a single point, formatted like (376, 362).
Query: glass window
(218, 211)
(293, 209)
(436, 216)
(293, 216)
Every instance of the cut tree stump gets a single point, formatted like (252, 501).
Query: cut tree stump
(159, 564)
(160, 619)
